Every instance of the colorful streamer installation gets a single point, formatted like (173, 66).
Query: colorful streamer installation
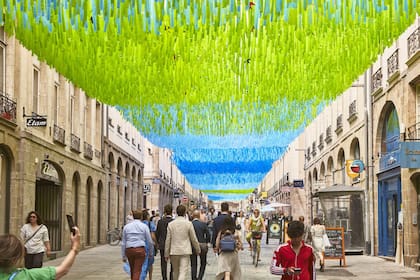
(218, 69)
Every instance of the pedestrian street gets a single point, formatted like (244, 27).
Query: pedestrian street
(104, 262)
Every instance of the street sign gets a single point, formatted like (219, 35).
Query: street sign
(176, 194)
(298, 183)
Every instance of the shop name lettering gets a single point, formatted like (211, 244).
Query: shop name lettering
(36, 122)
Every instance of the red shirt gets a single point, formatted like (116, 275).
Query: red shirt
(285, 257)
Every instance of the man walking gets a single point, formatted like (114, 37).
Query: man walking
(179, 239)
(218, 222)
(162, 227)
(203, 237)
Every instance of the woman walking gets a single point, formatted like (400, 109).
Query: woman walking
(36, 240)
(317, 233)
(228, 267)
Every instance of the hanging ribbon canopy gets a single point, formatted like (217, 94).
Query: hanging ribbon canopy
(232, 69)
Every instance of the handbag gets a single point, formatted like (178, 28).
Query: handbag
(227, 243)
(326, 240)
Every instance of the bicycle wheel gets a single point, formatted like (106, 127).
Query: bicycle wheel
(113, 238)
(254, 253)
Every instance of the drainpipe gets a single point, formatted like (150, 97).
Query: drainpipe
(369, 219)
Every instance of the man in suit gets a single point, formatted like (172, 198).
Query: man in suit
(179, 238)
(162, 228)
(218, 222)
(203, 236)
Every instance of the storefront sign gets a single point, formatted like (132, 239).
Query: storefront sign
(49, 171)
(410, 154)
(36, 122)
(298, 183)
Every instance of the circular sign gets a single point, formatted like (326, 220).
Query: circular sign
(275, 228)
(357, 166)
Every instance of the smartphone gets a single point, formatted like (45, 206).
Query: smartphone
(297, 270)
(71, 224)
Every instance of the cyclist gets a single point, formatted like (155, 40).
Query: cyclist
(255, 224)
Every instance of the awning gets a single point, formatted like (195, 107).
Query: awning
(338, 190)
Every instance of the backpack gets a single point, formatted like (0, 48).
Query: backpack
(227, 243)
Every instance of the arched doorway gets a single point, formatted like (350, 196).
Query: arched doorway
(48, 200)
(99, 211)
(5, 171)
(389, 181)
(89, 212)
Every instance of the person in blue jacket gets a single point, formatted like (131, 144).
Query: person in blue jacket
(148, 263)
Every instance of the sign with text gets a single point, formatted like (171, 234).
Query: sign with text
(336, 250)
(410, 154)
(298, 183)
(36, 122)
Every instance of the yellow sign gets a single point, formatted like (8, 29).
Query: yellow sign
(264, 195)
(350, 173)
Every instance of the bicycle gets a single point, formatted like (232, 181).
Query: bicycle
(113, 236)
(256, 247)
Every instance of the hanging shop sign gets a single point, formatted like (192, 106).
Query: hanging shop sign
(36, 122)
(410, 154)
(176, 194)
(354, 168)
(147, 188)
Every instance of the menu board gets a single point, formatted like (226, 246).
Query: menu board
(336, 250)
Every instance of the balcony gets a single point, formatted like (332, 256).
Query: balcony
(377, 82)
(75, 143)
(352, 112)
(339, 125)
(59, 135)
(393, 67)
(413, 46)
(321, 142)
(413, 133)
(88, 151)
(7, 108)
(328, 134)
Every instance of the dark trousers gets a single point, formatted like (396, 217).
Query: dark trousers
(203, 262)
(164, 266)
(34, 260)
(136, 257)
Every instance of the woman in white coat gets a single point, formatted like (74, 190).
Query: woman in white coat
(317, 233)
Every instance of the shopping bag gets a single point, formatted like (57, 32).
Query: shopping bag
(126, 267)
(326, 240)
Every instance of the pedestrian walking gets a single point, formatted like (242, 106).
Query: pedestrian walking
(150, 250)
(307, 236)
(161, 232)
(211, 215)
(12, 252)
(294, 259)
(218, 222)
(135, 237)
(240, 224)
(228, 266)
(180, 239)
(36, 240)
(317, 233)
(203, 237)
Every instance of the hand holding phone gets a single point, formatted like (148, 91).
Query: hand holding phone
(297, 270)
(71, 224)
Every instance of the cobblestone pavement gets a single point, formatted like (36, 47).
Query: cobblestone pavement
(104, 262)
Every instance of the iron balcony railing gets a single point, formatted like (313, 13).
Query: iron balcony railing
(88, 151)
(413, 43)
(377, 81)
(75, 143)
(413, 133)
(7, 108)
(393, 66)
(59, 134)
